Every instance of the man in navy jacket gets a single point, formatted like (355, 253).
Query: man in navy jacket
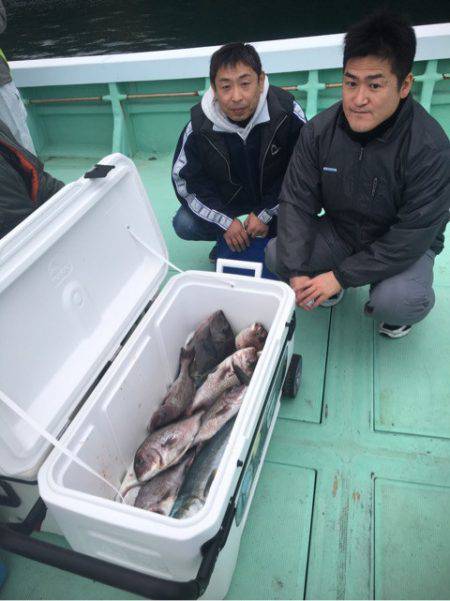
(232, 156)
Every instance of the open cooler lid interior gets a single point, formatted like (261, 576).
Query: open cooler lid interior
(74, 277)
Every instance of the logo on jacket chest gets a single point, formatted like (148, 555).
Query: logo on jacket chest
(274, 149)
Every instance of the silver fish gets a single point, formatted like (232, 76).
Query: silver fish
(195, 489)
(159, 494)
(213, 340)
(226, 407)
(255, 335)
(179, 395)
(165, 447)
(234, 370)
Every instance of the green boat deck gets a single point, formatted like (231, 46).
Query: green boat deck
(353, 497)
(354, 494)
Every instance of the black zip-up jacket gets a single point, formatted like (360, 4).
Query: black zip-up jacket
(218, 176)
(389, 200)
(24, 185)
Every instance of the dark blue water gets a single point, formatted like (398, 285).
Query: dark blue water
(49, 28)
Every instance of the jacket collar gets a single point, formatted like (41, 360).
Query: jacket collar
(386, 133)
(275, 113)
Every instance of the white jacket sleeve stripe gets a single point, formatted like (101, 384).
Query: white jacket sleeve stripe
(195, 205)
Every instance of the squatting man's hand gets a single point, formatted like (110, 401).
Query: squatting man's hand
(312, 292)
(255, 227)
(236, 237)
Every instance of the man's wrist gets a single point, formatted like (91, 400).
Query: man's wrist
(338, 277)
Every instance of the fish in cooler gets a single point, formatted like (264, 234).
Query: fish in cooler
(213, 340)
(179, 395)
(223, 409)
(234, 370)
(195, 489)
(159, 494)
(165, 447)
(255, 335)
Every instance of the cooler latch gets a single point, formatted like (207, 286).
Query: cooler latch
(8, 496)
(291, 327)
(98, 171)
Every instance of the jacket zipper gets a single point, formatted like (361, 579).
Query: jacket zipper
(374, 187)
(265, 154)
(224, 158)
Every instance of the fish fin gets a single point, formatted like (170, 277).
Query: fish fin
(210, 480)
(187, 353)
(242, 376)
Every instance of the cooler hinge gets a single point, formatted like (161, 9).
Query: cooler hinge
(98, 171)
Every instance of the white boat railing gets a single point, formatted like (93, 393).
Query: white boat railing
(278, 56)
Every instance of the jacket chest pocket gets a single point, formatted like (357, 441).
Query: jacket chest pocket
(337, 188)
(382, 198)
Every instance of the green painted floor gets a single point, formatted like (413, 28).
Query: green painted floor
(353, 500)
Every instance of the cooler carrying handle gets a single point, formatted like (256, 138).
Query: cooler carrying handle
(243, 265)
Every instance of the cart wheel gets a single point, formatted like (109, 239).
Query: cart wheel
(293, 377)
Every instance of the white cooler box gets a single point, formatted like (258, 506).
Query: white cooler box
(89, 356)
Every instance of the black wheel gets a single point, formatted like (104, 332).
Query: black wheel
(293, 377)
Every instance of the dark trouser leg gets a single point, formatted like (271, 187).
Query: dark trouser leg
(190, 227)
(327, 253)
(405, 298)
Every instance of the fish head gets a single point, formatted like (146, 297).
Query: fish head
(147, 462)
(260, 333)
(220, 328)
(244, 362)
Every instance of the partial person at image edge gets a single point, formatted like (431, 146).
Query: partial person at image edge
(233, 154)
(378, 164)
(12, 109)
(24, 185)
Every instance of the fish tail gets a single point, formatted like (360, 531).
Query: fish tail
(187, 354)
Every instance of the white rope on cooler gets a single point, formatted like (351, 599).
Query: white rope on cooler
(153, 251)
(52, 440)
(164, 259)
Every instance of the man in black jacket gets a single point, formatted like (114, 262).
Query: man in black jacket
(378, 164)
(232, 156)
(24, 185)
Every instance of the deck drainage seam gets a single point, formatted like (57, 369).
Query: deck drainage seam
(325, 371)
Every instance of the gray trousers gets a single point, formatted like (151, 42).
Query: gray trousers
(402, 299)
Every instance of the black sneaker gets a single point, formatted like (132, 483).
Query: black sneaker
(213, 255)
(394, 331)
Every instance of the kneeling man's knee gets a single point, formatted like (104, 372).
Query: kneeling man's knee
(182, 224)
(400, 303)
(270, 256)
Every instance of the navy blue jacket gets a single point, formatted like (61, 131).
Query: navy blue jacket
(218, 176)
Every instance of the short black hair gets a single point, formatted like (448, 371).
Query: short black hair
(232, 54)
(386, 35)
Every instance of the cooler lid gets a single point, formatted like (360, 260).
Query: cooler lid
(74, 277)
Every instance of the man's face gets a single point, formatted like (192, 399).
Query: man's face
(237, 90)
(370, 92)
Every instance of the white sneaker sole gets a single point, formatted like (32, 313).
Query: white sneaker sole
(400, 333)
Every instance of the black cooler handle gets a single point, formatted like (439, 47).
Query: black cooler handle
(13, 539)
